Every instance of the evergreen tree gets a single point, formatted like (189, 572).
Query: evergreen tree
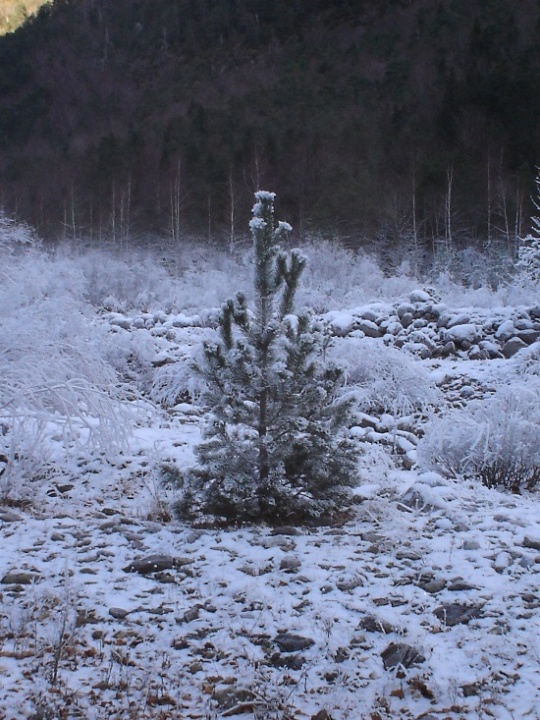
(529, 251)
(276, 444)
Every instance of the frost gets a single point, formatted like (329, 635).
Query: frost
(265, 196)
(285, 227)
(257, 223)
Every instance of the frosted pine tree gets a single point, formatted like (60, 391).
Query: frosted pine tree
(276, 445)
(529, 251)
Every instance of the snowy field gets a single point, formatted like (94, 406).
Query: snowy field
(423, 603)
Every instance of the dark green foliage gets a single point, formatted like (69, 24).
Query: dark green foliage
(276, 445)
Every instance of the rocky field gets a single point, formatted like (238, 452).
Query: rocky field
(423, 603)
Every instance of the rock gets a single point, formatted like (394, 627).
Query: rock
(433, 586)
(121, 322)
(505, 331)
(369, 314)
(341, 654)
(8, 516)
(372, 624)
(156, 563)
(470, 690)
(342, 324)
(449, 348)
(492, 349)
(455, 614)
(418, 349)
(189, 615)
(229, 697)
(512, 346)
(290, 564)
(289, 643)
(397, 654)
(118, 613)
(322, 715)
(476, 353)
(528, 336)
(65, 487)
(252, 570)
(462, 334)
(349, 585)
(291, 662)
(455, 320)
(283, 542)
(20, 578)
(369, 328)
(406, 319)
(404, 309)
(372, 537)
(419, 296)
(531, 543)
(413, 500)
(502, 561)
(459, 585)
(392, 328)
(286, 530)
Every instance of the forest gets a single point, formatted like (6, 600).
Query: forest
(379, 123)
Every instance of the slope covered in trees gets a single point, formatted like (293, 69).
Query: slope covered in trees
(413, 116)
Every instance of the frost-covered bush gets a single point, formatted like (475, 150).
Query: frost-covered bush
(58, 394)
(383, 379)
(495, 440)
(337, 277)
(177, 382)
(126, 282)
(528, 263)
(529, 258)
(14, 235)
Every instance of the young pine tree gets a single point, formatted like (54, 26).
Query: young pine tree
(276, 445)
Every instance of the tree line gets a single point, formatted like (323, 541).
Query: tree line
(383, 120)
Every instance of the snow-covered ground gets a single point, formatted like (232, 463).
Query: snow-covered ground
(425, 603)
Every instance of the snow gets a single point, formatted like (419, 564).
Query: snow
(467, 332)
(206, 630)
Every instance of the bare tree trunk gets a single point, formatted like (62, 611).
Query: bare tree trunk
(232, 214)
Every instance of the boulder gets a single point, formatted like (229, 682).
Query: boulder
(406, 319)
(463, 333)
(405, 309)
(369, 328)
(512, 346)
(419, 296)
(505, 331)
(529, 336)
(462, 319)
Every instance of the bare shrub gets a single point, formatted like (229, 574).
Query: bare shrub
(383, 379)
(494, 440)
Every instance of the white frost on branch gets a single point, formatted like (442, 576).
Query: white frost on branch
(256, 223)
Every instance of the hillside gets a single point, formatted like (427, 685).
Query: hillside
(379, 119)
